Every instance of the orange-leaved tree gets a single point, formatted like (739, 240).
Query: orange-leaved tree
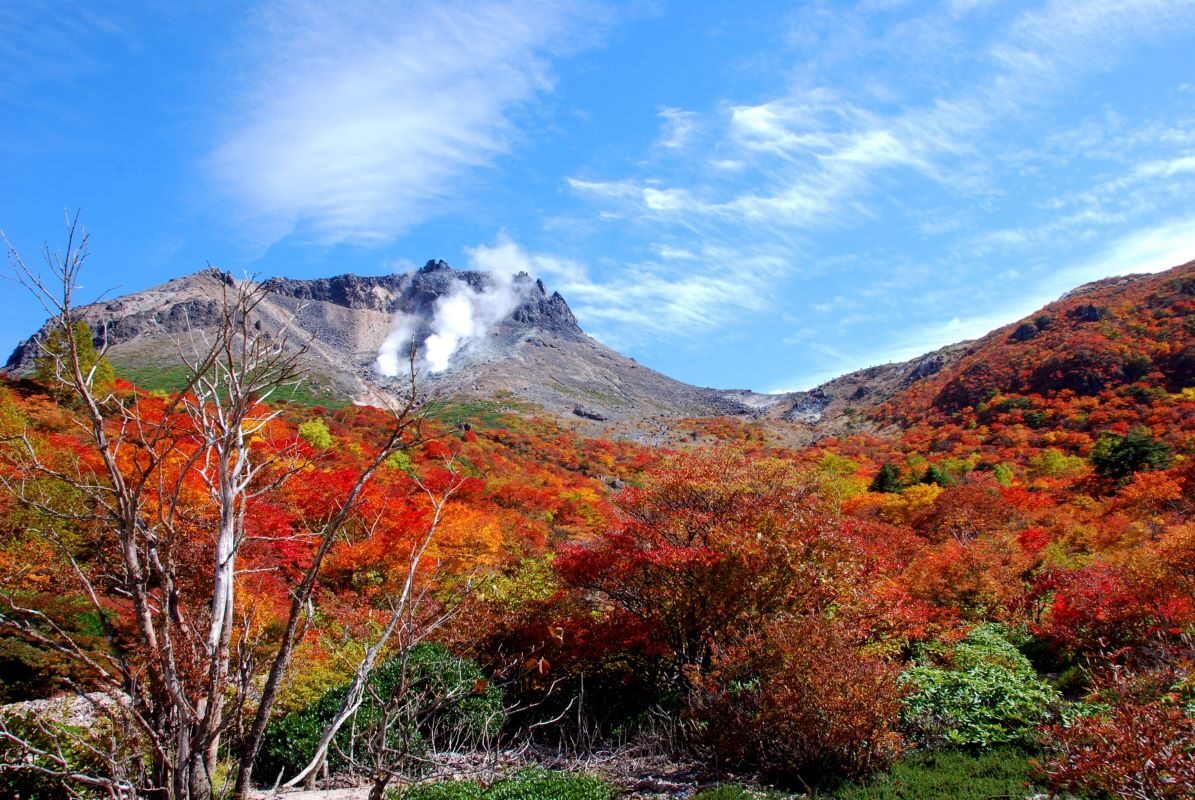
(715, 543)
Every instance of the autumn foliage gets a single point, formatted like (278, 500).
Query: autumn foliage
(766, 600)
(714, 544)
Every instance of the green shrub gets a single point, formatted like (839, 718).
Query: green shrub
(52, 368)
(470, 708)
(401, 461)
(1003, 474)
(947, 775)
(531, 784)
(538, 784)
(290, 741)
(985, 693)
(315, 432)
(449, 790)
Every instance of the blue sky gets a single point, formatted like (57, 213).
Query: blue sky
(752, 195)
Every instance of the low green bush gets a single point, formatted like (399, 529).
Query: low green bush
(983, 692)
(459, 703)
(1002, 772)
(448, 790)
(544, 785)
(531, 784)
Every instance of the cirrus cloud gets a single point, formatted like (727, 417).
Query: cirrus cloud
(361, 119)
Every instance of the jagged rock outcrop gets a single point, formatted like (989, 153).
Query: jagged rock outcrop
(809, 407)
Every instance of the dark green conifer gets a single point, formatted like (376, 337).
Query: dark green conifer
(887, 480)
(935, 475)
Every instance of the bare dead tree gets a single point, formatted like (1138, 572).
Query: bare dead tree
(177, 674)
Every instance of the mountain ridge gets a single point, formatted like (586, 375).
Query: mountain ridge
(535, 353)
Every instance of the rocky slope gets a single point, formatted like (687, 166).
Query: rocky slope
(535, 354)
(842, 405)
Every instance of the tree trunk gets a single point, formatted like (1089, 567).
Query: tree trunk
(378, 790)
(200, 786)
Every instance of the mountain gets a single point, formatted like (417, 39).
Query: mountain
(535, 353)
(1039, 480)
(532, 351)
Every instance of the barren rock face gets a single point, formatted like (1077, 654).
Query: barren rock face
(536, 353)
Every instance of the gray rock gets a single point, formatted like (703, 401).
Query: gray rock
(585, 412)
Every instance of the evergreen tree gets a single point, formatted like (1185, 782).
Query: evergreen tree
(1120, 457)
(887, 480)
(934, 475)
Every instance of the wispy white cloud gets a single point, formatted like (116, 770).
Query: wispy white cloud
(1143, 189)
(925, 127)
(360, 124)
(670, 253)
(816, 154)
(677, 128)
(649, 298)
(362, 118)
(836, 304)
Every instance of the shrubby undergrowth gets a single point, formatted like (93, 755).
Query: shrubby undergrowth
(980, 692)
(454, 704)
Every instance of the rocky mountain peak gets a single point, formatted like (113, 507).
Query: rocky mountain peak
(542, 310)
(524, 343)
(215, 273)
(333, 308)
(417, 292)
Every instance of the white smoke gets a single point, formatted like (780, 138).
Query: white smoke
(460, 318)
(464, 316)
(393, 351)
